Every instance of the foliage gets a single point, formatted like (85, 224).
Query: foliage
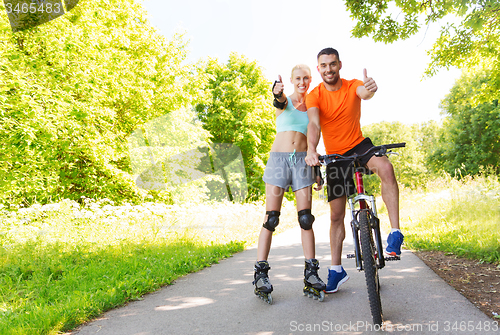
(72, 90)
(468, 143)
(164, 154)
(471, 41)
(409, 166)
(447, 219)
(236, 108)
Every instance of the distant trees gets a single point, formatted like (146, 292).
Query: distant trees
(72, 90)
(469, 141)
(235, 107)
(474, 39)
(410, 164)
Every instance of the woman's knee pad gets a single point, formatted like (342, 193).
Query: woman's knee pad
(273, 219)
(306, 219)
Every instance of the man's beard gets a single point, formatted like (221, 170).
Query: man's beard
(332, 81)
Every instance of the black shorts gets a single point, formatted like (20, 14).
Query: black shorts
(339, 174)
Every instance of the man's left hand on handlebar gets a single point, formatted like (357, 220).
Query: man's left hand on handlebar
(312, 158)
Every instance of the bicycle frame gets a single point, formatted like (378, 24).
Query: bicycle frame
(365, 226)
(366, 203)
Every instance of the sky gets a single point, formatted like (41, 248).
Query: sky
(279, 34)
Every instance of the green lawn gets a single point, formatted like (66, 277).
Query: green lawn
(460, 217)
(63, 264)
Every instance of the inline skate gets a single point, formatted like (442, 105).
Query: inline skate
(263, 287)
(313, 285)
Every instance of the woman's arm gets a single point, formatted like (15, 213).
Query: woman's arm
(313, 136)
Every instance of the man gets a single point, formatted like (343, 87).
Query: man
(334, 108)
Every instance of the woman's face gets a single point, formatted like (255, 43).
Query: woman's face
(301, 79)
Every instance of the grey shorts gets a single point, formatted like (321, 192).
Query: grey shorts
(288, 169)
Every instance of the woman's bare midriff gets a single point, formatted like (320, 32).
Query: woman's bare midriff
(288, 141)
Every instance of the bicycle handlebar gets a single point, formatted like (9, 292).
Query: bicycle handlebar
(380, 150)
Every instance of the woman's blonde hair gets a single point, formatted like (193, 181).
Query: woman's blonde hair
(302, 67)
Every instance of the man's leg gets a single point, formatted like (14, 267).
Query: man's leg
(337, 229)
(389, 187)
(336, 273)
(390, 194)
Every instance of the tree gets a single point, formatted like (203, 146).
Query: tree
(474, 40)
(409, 165)
(72, 90)
(236, 108)
(469, 141)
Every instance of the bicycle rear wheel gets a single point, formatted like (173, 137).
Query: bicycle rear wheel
(370, 265)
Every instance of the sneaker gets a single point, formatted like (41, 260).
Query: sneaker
(394, 241)
(335, 279)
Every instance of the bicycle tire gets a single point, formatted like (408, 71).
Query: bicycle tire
(370, 267)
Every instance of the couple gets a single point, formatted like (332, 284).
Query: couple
(333, 108)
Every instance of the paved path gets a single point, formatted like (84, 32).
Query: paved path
(220, 299)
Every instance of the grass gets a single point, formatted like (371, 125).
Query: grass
(458, 217)
(63, 264)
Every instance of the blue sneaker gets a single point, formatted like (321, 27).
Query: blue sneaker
(394, 241)
(335, 279)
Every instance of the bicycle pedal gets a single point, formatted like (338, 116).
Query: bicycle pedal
(392, 258)
(351, 256)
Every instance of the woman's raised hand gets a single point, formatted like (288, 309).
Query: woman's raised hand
(278, 88)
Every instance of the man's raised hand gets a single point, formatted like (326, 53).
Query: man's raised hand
(369, 83)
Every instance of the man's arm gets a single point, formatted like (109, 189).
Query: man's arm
(313, 136)
(367, 91)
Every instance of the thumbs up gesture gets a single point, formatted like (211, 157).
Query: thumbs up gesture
(278, 88)
(369, 83)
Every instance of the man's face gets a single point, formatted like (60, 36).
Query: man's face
(329, 67)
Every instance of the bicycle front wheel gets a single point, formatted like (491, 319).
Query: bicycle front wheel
(370, 265)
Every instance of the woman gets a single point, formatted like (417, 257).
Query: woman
(287, 168)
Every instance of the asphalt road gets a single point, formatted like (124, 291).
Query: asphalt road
(220, 299)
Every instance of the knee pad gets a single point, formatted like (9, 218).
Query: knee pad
(306, 219)
(273, 219)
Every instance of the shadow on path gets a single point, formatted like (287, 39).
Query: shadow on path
(220, 299)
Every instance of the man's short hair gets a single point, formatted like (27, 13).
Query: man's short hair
(329, 51)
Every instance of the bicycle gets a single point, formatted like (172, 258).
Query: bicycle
(368, 248)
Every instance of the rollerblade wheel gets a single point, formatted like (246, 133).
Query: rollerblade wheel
(265, 296)
(321, 296)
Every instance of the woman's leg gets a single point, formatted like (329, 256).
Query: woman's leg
(274, 199)
(304, 201)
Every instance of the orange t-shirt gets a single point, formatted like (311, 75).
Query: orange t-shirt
(339, 115)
